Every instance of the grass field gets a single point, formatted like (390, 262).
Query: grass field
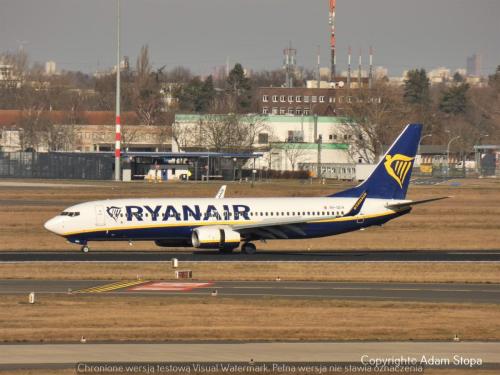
(67, 318)
(467, 221)
(216, 271)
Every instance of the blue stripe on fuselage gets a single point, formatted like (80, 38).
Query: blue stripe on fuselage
(312, 230)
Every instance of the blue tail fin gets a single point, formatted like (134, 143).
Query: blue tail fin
(391, 176)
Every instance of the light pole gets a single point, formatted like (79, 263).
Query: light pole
(118, 133)
(448, 154)
(421, 139)
(477, 155)
(208, 164)
(418, 148)
(319, 141)
(234, 169)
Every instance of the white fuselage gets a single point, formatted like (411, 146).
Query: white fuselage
(151, 219)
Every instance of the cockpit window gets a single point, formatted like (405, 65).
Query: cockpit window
(70, 214)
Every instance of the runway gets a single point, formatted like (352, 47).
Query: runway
(263, 256)
(437, 293)
(54, 355)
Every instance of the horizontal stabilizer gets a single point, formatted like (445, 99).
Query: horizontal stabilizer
(399, 206)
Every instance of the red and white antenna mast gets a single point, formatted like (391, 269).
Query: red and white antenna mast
(118, 130)
(333, 5)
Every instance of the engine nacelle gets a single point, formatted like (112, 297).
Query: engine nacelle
(215, 238)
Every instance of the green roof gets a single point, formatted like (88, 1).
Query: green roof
(310, 146)
(270, 119)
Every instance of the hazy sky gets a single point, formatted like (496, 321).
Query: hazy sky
(199, 34)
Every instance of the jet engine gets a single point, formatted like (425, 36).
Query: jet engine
(215, 238)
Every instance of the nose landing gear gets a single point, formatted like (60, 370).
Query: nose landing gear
(85, 249)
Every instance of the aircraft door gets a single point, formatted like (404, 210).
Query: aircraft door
(99, 215)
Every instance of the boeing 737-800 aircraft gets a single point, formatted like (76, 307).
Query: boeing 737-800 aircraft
(223, 223)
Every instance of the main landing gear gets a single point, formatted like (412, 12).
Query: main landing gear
(85, 249)
(248, 248)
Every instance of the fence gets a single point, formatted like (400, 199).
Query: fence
(56, 165)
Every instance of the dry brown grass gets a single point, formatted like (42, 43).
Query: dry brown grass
(67, 318)
(427, 372)
(468, 221)
(314, 271)
(44, 371)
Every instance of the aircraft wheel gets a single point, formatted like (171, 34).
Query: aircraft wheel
(85, 249)
(248, 248)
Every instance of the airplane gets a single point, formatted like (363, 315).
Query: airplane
(224, 224)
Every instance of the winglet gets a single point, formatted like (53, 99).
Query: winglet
(356, 208)
(222, 191)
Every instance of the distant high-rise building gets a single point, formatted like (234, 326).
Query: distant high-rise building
(50, 67)
(474, 65)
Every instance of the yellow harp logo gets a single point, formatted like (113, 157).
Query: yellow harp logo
(398, 167)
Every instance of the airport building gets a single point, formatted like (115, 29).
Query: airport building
(93, 132)
(287, 143)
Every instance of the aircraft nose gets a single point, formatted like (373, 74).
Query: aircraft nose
(54, 225)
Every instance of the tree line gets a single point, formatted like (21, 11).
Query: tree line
(155, 94)
(446, 110)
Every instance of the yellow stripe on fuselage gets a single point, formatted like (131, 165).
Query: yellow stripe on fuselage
(191, 224)
(349, 218)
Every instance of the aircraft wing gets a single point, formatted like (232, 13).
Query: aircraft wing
(403, 205)
(275, 228)
(222, 191)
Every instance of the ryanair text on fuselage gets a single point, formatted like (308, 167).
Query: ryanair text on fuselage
(181, 213)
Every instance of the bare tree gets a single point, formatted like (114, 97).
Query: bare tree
(146, 92)
(295, 153)
(34, 126)
(130, 134)
(184, 135)
(231, 132)
(60, 137)
(219, 133)
(374, 116)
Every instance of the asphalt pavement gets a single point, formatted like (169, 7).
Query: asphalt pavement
(262, 256)
(436, 293)
(473, 355)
